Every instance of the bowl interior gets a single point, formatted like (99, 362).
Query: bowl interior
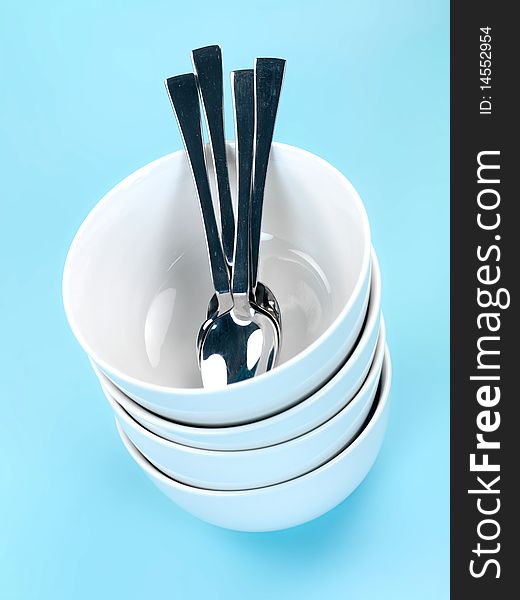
(137, 283)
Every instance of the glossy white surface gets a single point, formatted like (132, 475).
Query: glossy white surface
(136, 285)
(247, 469)
(292, 502)
(301, 418)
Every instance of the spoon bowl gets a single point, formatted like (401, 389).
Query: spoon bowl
(237, 345)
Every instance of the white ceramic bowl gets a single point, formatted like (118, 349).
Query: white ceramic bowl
(248, 469)
(290, 423)
(292, 502)
(136, 285)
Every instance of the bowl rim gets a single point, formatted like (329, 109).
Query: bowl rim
(365, 272)
(373, 373)
(156, 474)
(372, 315)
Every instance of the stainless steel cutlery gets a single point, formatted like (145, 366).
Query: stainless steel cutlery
(241, 335)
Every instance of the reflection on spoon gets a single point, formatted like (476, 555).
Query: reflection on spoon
(254, 348)
(213, 369)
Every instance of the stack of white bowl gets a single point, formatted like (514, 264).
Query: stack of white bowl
(273, 451)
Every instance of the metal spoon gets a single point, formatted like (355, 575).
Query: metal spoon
(207, 63)
(239, 341)
(184, 96)
(243, 342)
(269, 74)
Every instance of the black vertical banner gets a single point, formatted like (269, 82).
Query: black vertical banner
(485, 334)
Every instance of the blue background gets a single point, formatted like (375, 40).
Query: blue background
(82, 105)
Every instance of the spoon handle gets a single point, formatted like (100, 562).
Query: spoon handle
(207, 63)
(242, 84)
(184, 97)
(269, 74)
